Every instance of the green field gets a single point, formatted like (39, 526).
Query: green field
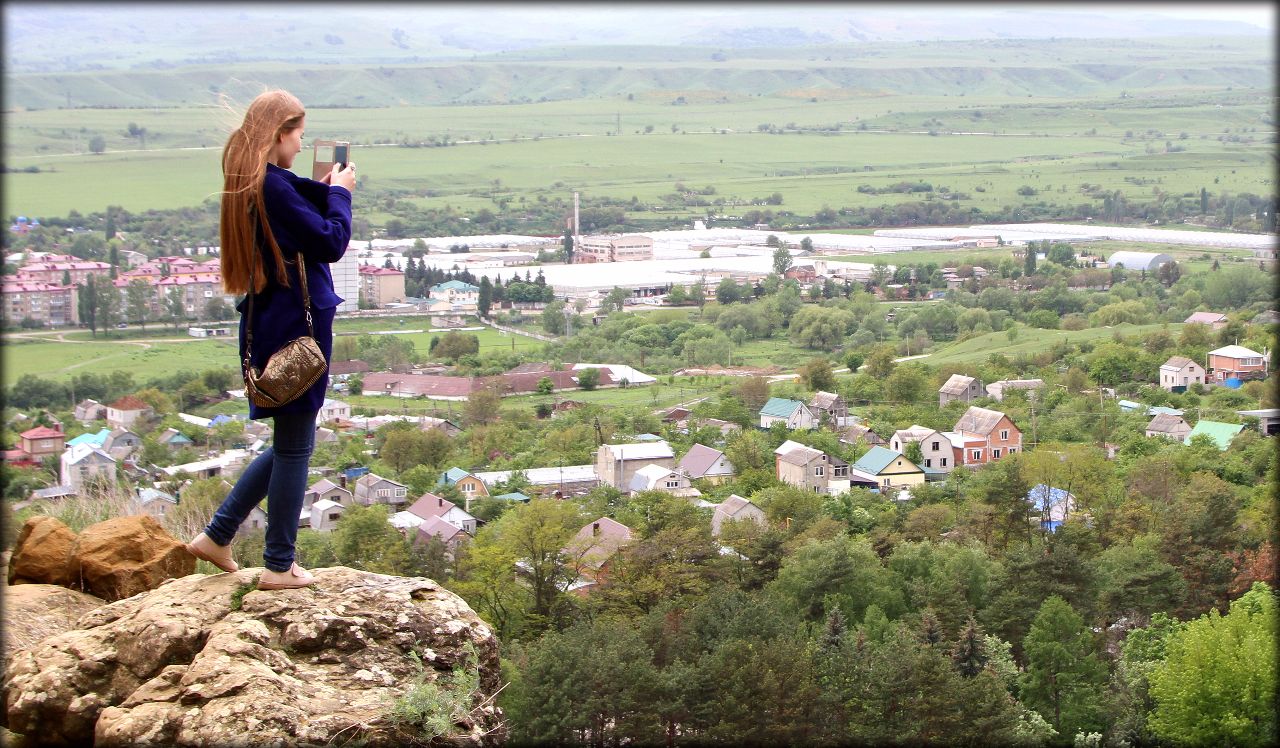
(742, 167)
(1031, 341)
(61, 361)
(812, 124)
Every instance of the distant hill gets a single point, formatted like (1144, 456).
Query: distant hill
(665, 74)
(63, 38)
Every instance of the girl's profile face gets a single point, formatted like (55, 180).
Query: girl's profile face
(289, 145)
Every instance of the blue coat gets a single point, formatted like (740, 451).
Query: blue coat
(315, 219)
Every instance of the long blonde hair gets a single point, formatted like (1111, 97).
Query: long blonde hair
(244, 167)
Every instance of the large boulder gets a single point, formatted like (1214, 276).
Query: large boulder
(123, 556)
(37, 611)
(42, 553)
(210, 660)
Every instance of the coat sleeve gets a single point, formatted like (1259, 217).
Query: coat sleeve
(321, 235)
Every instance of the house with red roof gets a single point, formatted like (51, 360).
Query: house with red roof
(49, 303)
(42, 441)
(127, 411)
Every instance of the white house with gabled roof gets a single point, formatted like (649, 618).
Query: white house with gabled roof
(616, 464)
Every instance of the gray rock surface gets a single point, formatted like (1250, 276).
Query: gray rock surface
(37, 611)
(181, 665)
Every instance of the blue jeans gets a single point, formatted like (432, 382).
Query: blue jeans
(280, 474)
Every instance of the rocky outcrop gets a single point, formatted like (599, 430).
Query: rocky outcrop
(209, 660)
(123, 556)
(42, 553)
(37, 611)
(112, 560)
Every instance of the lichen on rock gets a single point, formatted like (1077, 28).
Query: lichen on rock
(323, 665)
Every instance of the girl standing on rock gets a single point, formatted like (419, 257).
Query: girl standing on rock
(269, 217)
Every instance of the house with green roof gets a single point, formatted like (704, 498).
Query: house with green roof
(794, 413)
(887, 469)
(97, 440)
(468, 485)
(456, 292)
(1221, 433)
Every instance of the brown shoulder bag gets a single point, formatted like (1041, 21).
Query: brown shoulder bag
(291, 370)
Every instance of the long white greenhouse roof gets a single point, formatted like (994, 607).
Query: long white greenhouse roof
(1142, 235)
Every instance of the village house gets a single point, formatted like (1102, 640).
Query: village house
(226, 463)
(735, 509)
(326, 490)
(458, 294)
(1214, 320)
(807, 468)
(83, 463)
(887, 468)
(88, 411)
(42, 441)
(988, 435)
(436, 528)
(153, 502)
(127, 411)
(1268, 419)
(960, 387)
(1235, 362)
(858, 432)
(997, 390)
(936, 451)
(829, 408)
(371, 489)
(658, 478)
(1179, 372)
(794, 413)
(705, 463)
(1221, 433)
(121, 443)
(332, 410)
(173, 439)
(325, 514)
(468, 485)
(591, 548)
(430, 505)
(1168, 426)
(616, 464)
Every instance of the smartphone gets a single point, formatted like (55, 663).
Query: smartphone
(327, 153)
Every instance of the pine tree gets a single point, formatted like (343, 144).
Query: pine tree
(87, 303)
(485, 299)
(835, 630)
(1029, 262)
(930, 632)
(1064, 679)
(970, 653)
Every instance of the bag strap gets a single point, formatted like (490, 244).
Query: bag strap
(306, 301)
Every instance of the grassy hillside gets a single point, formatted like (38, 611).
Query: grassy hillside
(1016, 69)
(1031, 340)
